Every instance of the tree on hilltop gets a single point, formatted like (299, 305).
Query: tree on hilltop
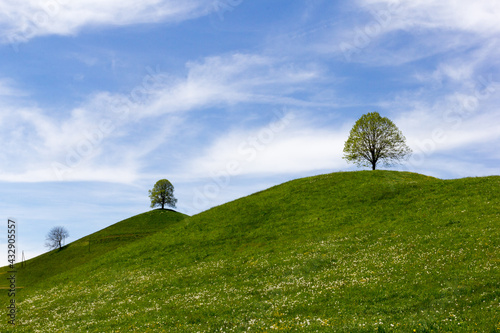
(162, 194)
(55, 237)
(375, 139)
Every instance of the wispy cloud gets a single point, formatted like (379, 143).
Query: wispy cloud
(8, 89)
(231, 79)
(426, 28)
(458, 122)
(28, 19)
(111, 129)
(288, 144)
(479, 16)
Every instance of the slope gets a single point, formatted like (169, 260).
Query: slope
(351, 252)
(81, 251)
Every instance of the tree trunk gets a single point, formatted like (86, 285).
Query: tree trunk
(374, 158)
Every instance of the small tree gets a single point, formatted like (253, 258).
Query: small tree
(55, 237)
(162, 194)
(373, 139)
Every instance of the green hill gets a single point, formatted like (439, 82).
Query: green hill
(351, 252)
(86, 249)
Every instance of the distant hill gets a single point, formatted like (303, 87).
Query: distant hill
(84, 250)
(345, 252)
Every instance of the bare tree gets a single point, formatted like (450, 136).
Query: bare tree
(55, 237)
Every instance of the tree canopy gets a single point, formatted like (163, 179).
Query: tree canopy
(375, 139)
(162, 194)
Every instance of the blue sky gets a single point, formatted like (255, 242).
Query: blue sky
(100, 99)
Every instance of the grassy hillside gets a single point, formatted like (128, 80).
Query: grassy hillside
(350, 252)
(84, 250)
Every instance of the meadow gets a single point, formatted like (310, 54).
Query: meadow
(368, 251)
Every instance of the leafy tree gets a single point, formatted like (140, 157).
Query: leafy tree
(56, 237)
(375, 139)
(162, 194)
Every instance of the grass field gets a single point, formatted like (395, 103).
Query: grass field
(345, 252)
(92, 246)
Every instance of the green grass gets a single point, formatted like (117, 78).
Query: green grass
(349, 252)
(86, 249)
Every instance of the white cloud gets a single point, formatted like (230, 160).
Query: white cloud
(231, 79)
(287, 145)
(479, 16)
(110, 130)
(459, 124)
(395, 32)
(31, 18)
(466, 70)
(8, 89)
